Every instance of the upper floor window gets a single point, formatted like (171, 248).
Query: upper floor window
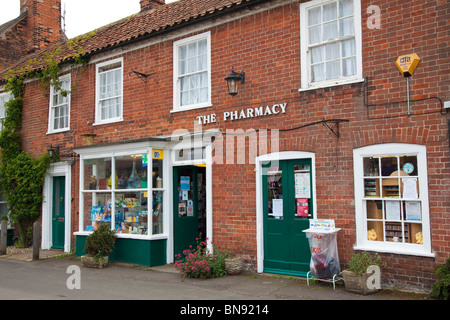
(109, 91)
(192, 72)
(59, 117)
(4, 97)
(330, 42)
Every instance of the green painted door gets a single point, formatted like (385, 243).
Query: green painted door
(287, 208)
(185, 208)
(58, 214)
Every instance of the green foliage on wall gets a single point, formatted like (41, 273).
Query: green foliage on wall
(22, 176)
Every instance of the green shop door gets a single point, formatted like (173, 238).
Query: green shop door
(58, 214)
(189, 205)
(287, 208)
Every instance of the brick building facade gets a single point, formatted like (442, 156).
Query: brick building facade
(322, 99)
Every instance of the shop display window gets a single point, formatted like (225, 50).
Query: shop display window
(392, 199)
(116, 191)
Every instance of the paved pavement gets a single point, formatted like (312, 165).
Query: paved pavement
(48, 279)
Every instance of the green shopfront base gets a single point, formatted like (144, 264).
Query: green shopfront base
(150, 253)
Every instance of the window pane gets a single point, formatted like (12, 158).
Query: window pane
(330, 12)
(388, 165)
(317, 54)
(202, 47)
(131, 171)
(131, 213)
(203, 94)
(348, 48)
(97, 174)
(202, 62)
(314, 16)
(157, 212)
(192, 50)
(371, 188)
(415, 231)
(192, 65)
(345, 8)
(409, 165)
(330, 31)
(275, 192)
(157, 173)
(184, 98)
(332, 51)
(349, 67)
(346, 27)
(97, 210)
(371, 166)
(314, 34)
(333, 70)
(317, 73)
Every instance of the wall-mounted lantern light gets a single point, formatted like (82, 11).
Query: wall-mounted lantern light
(53, 153)
(232, 81)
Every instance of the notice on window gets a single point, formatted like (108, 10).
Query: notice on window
(412, 209)
(185, 184)
(277, 207)
(302, 185)
(190, 208)
(410, 188)
(392, 210)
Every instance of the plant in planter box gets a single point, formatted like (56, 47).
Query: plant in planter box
(98, 246)
(363, 275)
(441, 288)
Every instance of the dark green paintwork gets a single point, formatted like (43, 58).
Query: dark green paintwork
(150, 253)
(286, 248)
(58, 216)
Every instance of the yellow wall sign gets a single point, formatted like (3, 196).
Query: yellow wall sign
(158, 154)
(407, 64)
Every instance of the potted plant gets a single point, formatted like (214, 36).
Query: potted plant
(363, 274)
(98, 246)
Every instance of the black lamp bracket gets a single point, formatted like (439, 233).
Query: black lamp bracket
(336, 122)
(141, 75)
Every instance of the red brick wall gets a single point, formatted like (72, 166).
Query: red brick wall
(267, 47)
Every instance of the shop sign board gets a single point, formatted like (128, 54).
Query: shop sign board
(244, 113)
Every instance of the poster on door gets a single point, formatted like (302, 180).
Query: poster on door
(302, 185)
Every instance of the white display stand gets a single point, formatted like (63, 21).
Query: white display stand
(323, 245)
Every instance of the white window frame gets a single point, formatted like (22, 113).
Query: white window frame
(51, 116)
(305, 58)
(4, 97)
(113, 152)
(176, 78)
(393, 149)
(98, 120)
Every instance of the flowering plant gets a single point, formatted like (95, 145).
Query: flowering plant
(198, 262)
